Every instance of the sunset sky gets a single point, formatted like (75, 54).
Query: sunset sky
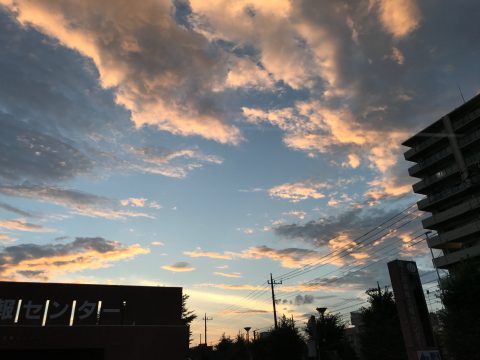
(208, 143)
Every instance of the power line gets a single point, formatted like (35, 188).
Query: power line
(357, 240)
(342, 251)
(272, 283)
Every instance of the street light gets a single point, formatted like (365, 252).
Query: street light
(247, 329)
(321, 311)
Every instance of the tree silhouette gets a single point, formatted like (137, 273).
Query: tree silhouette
(461, 317)
(283, 343)
(381, 336)
(187, 316)
(330, 339)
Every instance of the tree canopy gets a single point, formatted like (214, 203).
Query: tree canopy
(187, 315)
(381, 335)
(460, 318)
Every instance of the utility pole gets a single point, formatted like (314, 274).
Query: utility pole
(273, 283)
(206, 319)
(431, 252)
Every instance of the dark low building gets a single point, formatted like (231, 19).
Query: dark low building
(77, 321)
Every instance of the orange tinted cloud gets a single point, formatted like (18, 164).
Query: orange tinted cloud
(150, 76)
(399, 17)
(229, 275)
(289, 258)
(22, 225)
(6, 238)
(44, 262)
(210, 254)
(298, 191)
(180, 266)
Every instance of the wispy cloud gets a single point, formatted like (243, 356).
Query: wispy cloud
(289, 258)
(296, 213)
(298, 191)
(210, 254)
(15, 210)
(79, 202)
(157, 243)
(228, 275)
(22, 225)
(6, 238)
(166, 162)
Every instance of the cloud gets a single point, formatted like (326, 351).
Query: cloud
(247, 230)
(231, 286)
(166, 162)
(157, 243)
(298, 191)
(210, 254)
(44, 262)
(314, 127)
(353, 160)
(79, 202)
(296, 213)
(289, 258)
(144, 60)
(135, 202)
(140, 202)
(229, 275)
(15, 210)
(180, 266)
(244, 73)
(6, 238)
(245, 311)
(300, 287)
(22, 225)
(35, 155)
(351, 223)
(304, 299)
(399, 17)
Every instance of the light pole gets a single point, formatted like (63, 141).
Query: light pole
(321, 311)
(247, 329)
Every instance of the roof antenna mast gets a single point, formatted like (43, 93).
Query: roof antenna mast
(461, 94)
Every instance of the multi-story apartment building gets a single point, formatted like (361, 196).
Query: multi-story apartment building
(447, 157)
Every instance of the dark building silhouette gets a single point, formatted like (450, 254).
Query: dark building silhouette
(412, 310)
(73, 321)
(447, 157)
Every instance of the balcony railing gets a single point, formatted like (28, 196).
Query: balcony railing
(421, 165)
(445, 194)
(424, 145)
(458, 124)
(430, 180)
(451, 213)
(457, 234)
(454, 257)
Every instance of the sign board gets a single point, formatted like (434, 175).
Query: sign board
(40, 304)
(428, 355)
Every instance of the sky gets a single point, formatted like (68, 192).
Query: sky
(208, 143)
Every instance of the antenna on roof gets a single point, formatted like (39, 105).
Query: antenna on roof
(461, 94)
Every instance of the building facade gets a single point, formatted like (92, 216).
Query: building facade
(447, 157)
(80, 321)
